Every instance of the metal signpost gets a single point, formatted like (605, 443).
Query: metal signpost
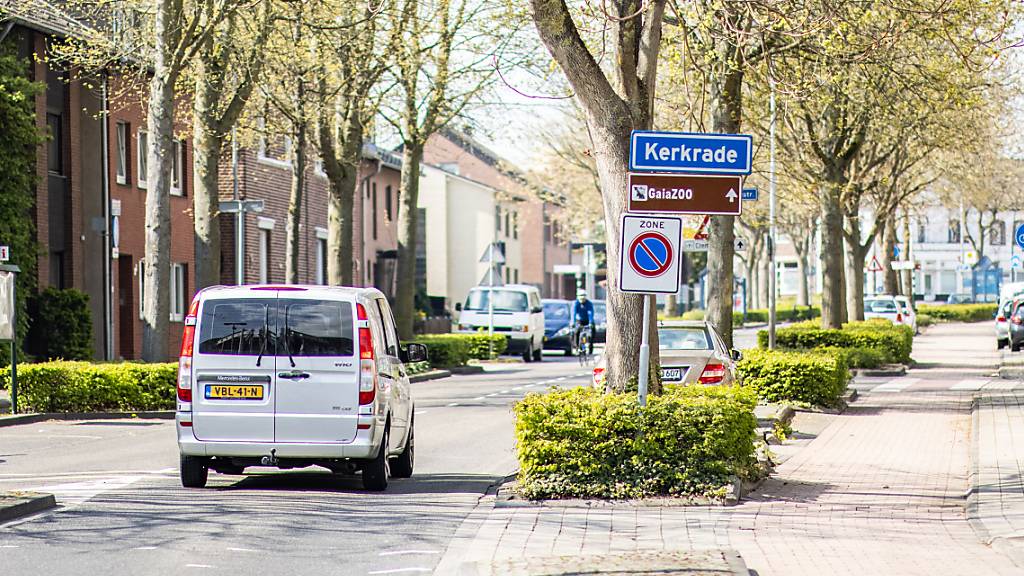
(8, 322)
(649, 264)
(685, 193)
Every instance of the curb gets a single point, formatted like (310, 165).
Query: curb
(431, 375)
(26, 503)
(879, 372)
(43, 416)
(468, 369)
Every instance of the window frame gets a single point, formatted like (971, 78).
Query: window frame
(142, 287)
(177, 168)
(142, 159)
(263, 269)
(123, 152)
(177, 282)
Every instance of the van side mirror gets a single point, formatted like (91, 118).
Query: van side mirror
(536, 310)
(736, 355)
(414, 352)
(458, 306)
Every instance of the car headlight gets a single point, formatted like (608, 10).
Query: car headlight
(521, 328)
(564, 331)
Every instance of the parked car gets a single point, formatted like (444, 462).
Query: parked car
(692, 352)
(517, 313)
(883, 307)
(558, 326)
(1017, 326)
(600, 321)
(1002, 321)
(959, 299)
(294, 376)
(907, 309)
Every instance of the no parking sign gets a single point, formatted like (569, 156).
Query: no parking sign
(649, 254)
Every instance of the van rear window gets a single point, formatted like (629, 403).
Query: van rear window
(315, 328)
(238, 327)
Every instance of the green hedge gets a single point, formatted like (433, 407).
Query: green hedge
(895, 341)
(959, 312)
(447, 350)
(817, 378)
(65, 386)
(584, 443)
(61, 325)
(756, 315)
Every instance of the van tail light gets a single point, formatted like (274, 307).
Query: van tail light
(1001, 318)
(188, 338)
(598, 377)
(713, 374)
(367, 359)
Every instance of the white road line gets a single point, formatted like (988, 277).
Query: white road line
(1002, 385)
(404, 552)
(969, 384)
(75, 493)
(452, 405)
(89, 473)
(560, 379)
(531, 385)
(144, 548)
(10, 546)
(241, 549)
(504, 392)
(479, 398)
(400, 571)
(517, 388)
(418, 412)
(896, 385)
(198, 566)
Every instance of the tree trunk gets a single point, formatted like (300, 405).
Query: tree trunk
(750, 271)
(726, 112)
(855, 256)
(207, 143)
(833, 305)
(156, 307)
(409, 192)
(298, 187)
(764, 271)
(908, 275)
(802, 247)
(671, 305)
(892, 280)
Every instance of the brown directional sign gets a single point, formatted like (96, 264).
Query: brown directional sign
(685, 193)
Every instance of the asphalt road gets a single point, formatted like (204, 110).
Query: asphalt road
(123, 511)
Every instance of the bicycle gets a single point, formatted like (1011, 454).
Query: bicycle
(584, 345)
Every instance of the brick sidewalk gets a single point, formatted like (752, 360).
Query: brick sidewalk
(882, 490)
(998, 500)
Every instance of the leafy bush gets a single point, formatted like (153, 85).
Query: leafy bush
(584, 443)
(413, 368)
(817, 377)
(895, 341)
(925, 320)
(959, 312)
(65, 386)
(484, 347)
(446, 350)
(859, 357)
(61, 325)
(699, 314)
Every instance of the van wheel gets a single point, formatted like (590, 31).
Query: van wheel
(401, 467)
(528, 352)
(1014, 346)
(538, 355)
(1000, 344)
(193, 472)
(375, 472)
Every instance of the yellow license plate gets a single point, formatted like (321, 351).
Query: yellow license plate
(234, 392)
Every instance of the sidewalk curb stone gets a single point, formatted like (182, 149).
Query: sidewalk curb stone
(43, 416)
(15, 505)
(431, 375)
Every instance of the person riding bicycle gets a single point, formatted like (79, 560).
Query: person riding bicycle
(583, 311)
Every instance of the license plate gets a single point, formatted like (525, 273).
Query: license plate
(234, 392)
(671, 374)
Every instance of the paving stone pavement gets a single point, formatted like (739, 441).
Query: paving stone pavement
(883, 489)
(997, 510)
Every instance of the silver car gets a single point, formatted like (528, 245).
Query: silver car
(692, 352)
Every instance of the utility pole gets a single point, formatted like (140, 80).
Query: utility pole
(771, 222)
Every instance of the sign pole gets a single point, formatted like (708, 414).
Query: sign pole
(645, 353)
(771, 224)
(14, 350)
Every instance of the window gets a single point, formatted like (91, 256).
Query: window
(515, 225)
(176, 168)
(321, 261)
(683, 339)
(373, 202)
(387, 204)
(515, 276)
(55, 146)
(143, 151)
(123, 130)
(507, 227)
(239, 327)
(997, 233)
(315, 328)
(142, 287)
(264, 268)
(178, 292)
(953, 234)
(922, 232)
(504, 300)
(497, 218)
(390, 338)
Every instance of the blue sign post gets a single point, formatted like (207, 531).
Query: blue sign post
(690, 152)
(1018, 235)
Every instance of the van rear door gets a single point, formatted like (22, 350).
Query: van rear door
(317, 375)
(234, 367)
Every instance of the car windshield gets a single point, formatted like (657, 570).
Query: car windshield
(683, 339)
(600, 312)
(556, 311)
(504, 300)
(880, 306)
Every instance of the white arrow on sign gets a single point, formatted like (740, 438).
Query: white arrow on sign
(731, 195)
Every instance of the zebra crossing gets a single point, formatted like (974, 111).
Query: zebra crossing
(910, 384)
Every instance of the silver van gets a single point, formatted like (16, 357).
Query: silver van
(294, 376)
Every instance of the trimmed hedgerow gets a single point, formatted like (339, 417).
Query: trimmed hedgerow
(959, 312)
(587, 444)
(65, 386)
(447, 350)
(818, 377)
(895, 341)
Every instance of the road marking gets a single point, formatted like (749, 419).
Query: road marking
(400, 571)
(144, 548)
(10, 546)
(479, 398)
(530, 385)
(404, 552)
(504, 392)
(896, 385)
(560, 379)
(452, 405)
(241, 549)
(75, 493)
(88, 473)
(1002, 385)
(492, 394)
(198, 566)
(418, 412)
(969, 384)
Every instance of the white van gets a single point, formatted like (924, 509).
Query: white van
(517, 314)
(294, 376)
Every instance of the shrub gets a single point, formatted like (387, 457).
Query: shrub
(959, 312)
(61, 325)
(858, 357)
(584, 443)
(817, 378)
(699, 314)
(65, 386)
(925, 320)
(484, 347)
(413, 368)
(895, 341)
(446, 350)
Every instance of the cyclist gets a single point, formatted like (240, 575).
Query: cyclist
(583, 311)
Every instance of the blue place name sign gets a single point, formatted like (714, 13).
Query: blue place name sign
(749, 194)
(690, 152)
